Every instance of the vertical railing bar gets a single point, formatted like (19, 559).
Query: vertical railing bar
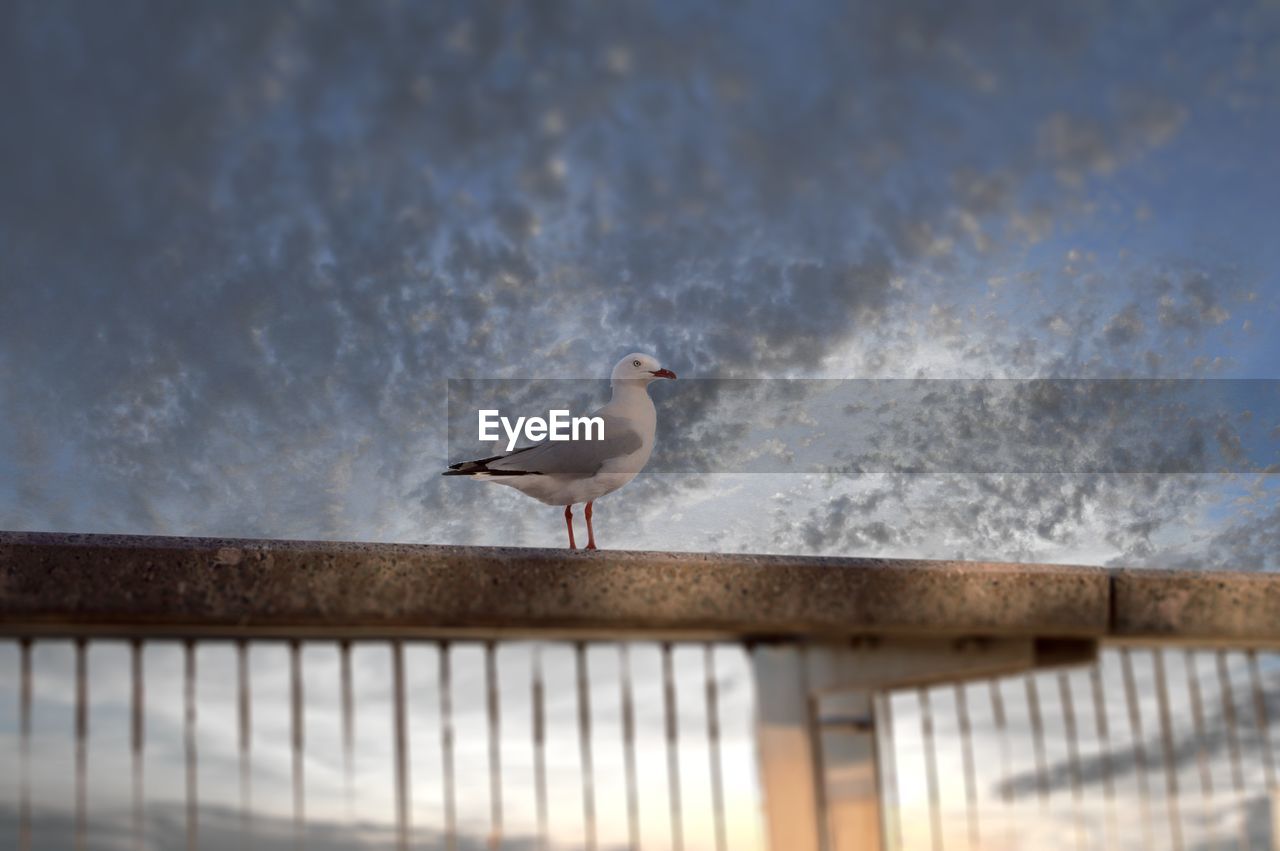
(1229, 715)
(24, 724)
(297, 743)
(931, 767)
(1037, 738)
(673, 756)
(537, 699)
(584, 746)
(1139, 745)
(1103, 728)
(970, 769)
(494, 710)
(1073, 754)
(347, 700)
(629, 746)
(887, 769)
(1006, 761)
(1233, 738)
(136, 733)
(446, 747)
(189, 727)
(400, 745)
(817, 757)
(244, 720)
(1198, 725)
(1166, 740)
(82, 737)
(713, 745)
(819, 763)
(1001, 725)
(1262, 718)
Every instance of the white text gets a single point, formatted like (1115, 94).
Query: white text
(558, 426)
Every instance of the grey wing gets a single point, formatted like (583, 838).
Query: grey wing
(573, 457)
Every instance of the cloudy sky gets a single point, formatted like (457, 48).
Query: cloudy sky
(244, 247)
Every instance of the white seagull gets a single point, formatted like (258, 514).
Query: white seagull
(573, 471)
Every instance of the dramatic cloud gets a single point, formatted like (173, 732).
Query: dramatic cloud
(244, 246)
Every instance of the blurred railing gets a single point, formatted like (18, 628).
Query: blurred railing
(1147, 748)
(159, 693)
(477, 749)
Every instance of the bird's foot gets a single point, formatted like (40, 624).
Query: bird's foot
(591, 546)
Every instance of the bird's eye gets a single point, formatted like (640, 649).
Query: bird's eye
(635, 363)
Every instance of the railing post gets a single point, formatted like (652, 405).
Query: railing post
(816, 733)
(785, 746)
(847, 737)
(845, 731)
(1273, 799)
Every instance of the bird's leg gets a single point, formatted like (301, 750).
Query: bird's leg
(591, 535)
(568, 522)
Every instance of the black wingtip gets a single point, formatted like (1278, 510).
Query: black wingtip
(465, 468)
(470, 468)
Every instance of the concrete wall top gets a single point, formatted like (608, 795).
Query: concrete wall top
(103, 584)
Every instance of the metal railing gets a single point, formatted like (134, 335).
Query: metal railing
(159, 693)
(576, 754)
(1147, 748)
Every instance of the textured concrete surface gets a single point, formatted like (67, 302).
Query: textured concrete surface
(52, 583)
(1233, 608)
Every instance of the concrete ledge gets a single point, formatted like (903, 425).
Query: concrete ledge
(1231, 608)
(109, 584)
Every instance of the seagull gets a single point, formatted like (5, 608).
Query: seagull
(576, 471)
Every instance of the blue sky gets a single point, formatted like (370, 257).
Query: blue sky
(244, 247)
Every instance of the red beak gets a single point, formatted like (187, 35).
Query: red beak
(662, 373)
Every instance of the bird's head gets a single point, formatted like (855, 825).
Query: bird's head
(639, 368)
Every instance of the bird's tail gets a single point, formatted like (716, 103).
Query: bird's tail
(470, 468)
